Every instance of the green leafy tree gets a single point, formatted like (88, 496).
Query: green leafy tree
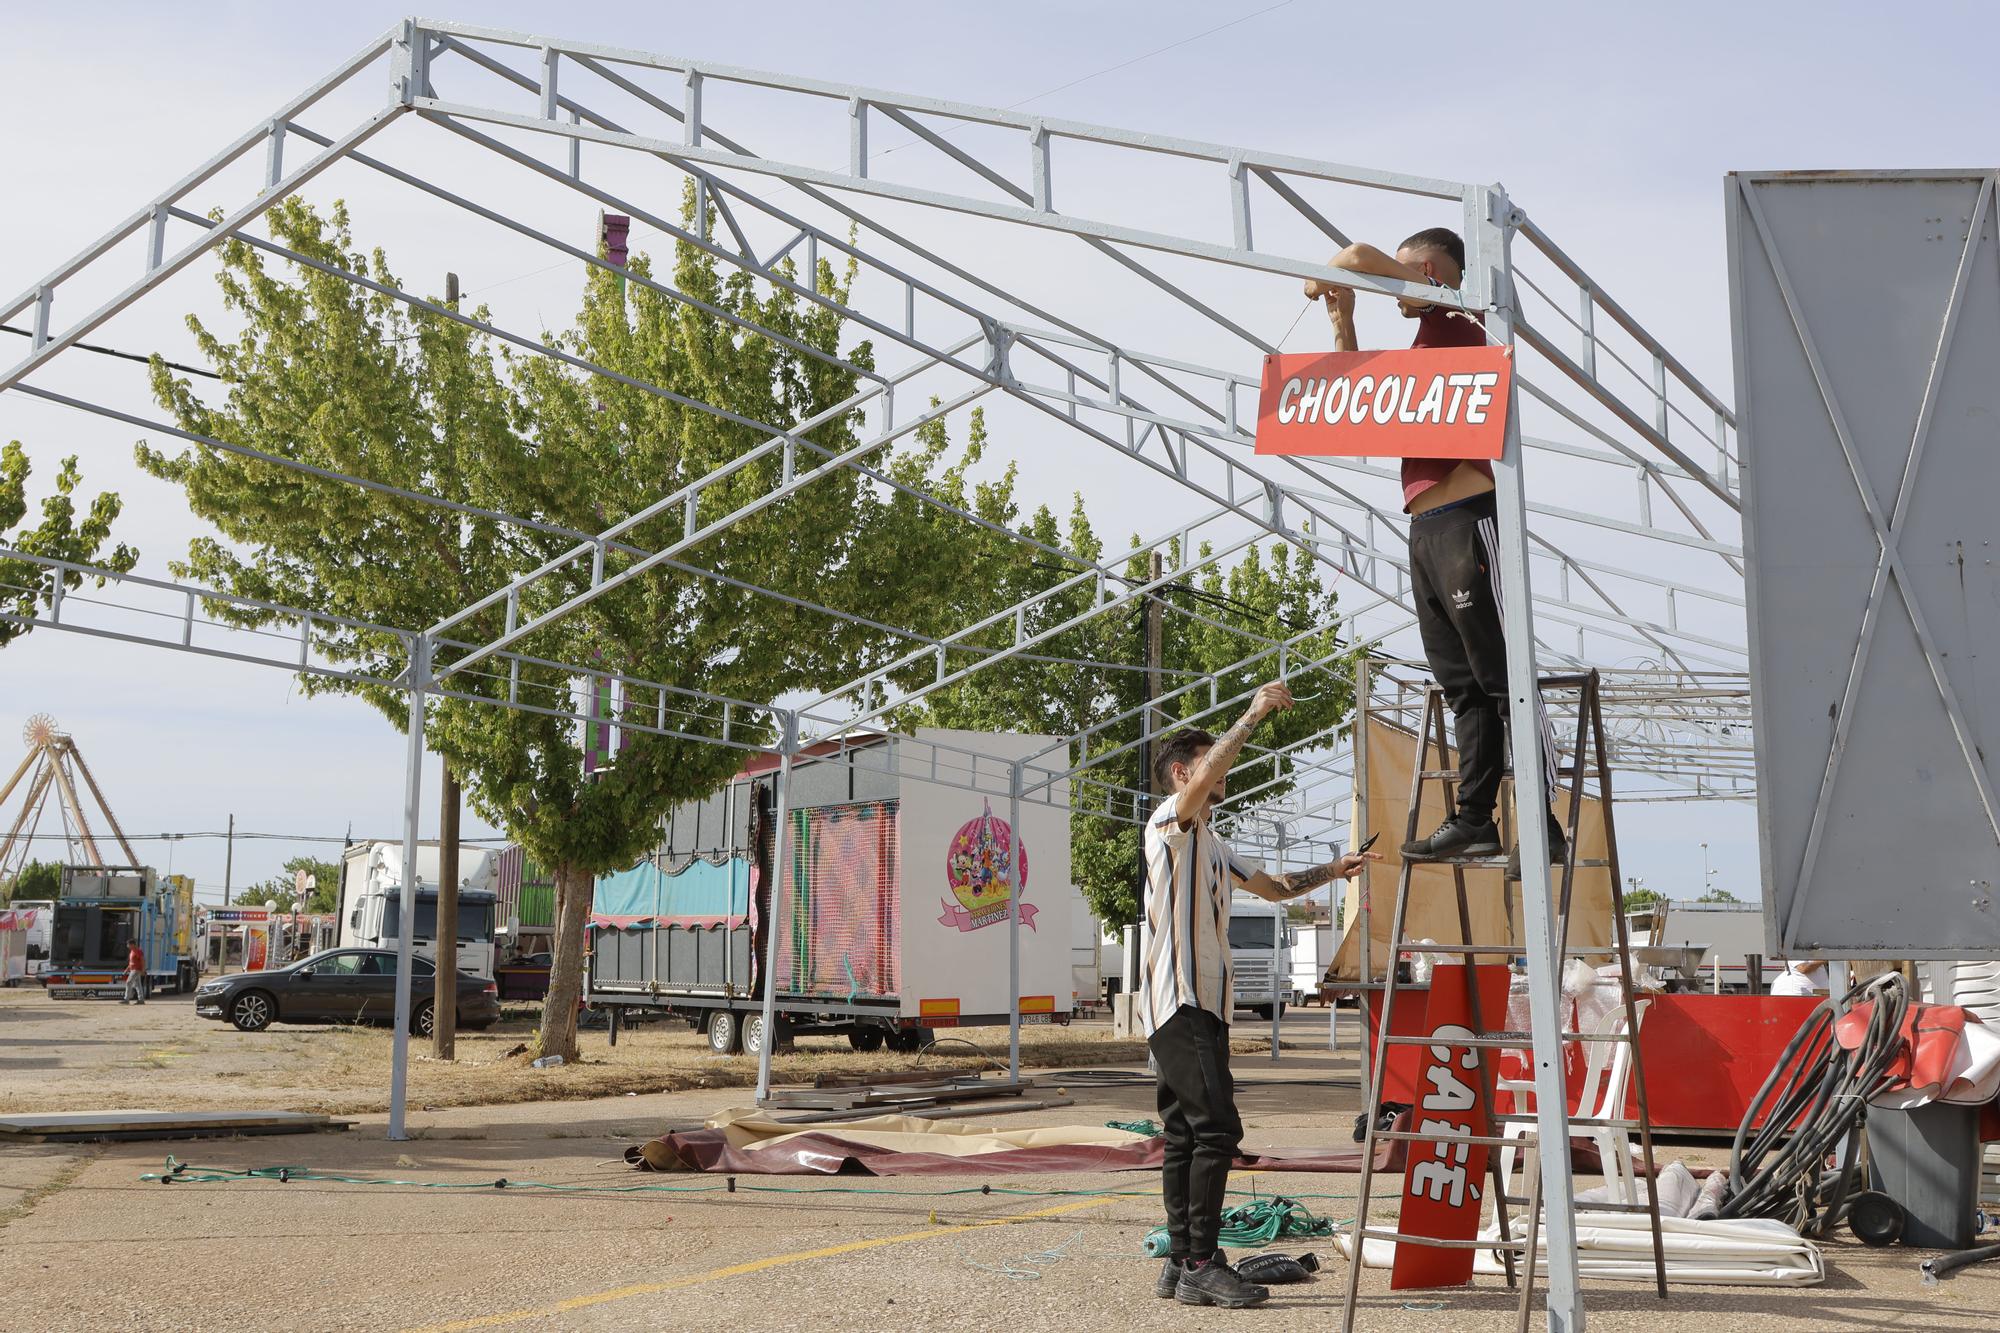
(1272, 592)
(60, 535)
(343, 378)
(282, 888)
(1718, 896)
(1639, 899)
(36, 881)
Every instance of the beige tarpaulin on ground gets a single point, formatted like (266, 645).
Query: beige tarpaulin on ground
(1382, 803)
(748, 1129)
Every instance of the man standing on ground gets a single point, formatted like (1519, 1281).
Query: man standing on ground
(1186, 995)
(135, 975)
(1454, 560)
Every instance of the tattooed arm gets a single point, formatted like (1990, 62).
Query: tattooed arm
(1214, 763)
(1297, 883)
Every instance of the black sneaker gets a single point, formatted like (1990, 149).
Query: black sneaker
(1457, 836)
(1169, 1280)
(1558, 850)
(1216, 1283)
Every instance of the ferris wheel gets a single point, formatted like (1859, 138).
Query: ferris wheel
(52, 766)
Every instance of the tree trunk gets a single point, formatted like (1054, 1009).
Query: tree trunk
(444, 1003)
(573, 892)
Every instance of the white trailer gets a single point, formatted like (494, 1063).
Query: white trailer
(371, 885)
(1732, 932)
(1312, 950)
(895, 909)
(37, 935)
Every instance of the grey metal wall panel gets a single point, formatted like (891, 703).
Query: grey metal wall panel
(1866, 318)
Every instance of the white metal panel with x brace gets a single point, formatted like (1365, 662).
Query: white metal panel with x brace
(1869, 403)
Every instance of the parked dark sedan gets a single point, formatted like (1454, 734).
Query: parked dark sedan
(341, 986)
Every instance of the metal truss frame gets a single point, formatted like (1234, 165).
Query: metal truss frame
(1605, 397)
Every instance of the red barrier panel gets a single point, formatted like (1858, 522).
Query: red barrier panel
(1705, 1055)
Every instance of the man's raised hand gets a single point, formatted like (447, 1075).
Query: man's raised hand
(1275, 697)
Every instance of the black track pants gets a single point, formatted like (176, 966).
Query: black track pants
(1197, 1101)
(1455, 581)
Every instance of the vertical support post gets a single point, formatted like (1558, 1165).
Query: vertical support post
(274, 154)
(691, 111)
(1358, 827)
(1040, 178)
(781, 863)
(1586, 315)
(857, 138)
(1239, 204)
(550, 57)
(1489, 286)
(1277, 948)
(406, 893)
(229, 860)
(156, 239)
(1015, 886)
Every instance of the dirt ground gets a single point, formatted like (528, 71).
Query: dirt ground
(65, 1054)
(86, 1241)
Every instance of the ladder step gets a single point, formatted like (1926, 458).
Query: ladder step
(1421, 946)
(1499, 861)
(1500, 1040)
(1574, 1122)
(1439, 1243)
(1411, 1136)
(1517, 1200)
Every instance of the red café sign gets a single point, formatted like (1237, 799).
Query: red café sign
(1421, 402)
(1442, 1183)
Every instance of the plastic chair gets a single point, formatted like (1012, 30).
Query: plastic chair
(1607, 1078)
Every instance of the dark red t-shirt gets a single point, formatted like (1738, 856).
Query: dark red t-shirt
(1439, 327)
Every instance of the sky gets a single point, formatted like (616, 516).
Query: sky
(1612, 124)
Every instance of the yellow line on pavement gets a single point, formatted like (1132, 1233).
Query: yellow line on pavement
(753, 1266)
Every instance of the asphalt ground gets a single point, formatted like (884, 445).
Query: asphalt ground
(87, 1243)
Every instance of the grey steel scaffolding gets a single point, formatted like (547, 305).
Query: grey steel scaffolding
(1626, 556)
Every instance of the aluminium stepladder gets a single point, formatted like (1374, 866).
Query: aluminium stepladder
(1590, 744)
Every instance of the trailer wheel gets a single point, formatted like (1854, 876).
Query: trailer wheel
(866, 1039)
(753, 1034)
(909, 1041)
(724, 1032)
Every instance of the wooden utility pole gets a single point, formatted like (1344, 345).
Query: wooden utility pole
(229, 860)
(444, 995)
(444, 1002)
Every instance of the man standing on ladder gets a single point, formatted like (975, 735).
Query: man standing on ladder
(1454, 560)
(1186, 994)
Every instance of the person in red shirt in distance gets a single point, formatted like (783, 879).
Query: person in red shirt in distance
(1454, 558)
(135, 975)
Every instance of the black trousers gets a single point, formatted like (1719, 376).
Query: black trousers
(1455, 581)
(1197, 1101)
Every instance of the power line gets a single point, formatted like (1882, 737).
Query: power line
(240, 837)
(123, 356)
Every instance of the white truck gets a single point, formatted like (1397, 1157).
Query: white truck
(1261, 943)
(371, 890)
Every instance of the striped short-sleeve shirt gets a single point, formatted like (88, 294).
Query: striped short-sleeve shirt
(1184, 935)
